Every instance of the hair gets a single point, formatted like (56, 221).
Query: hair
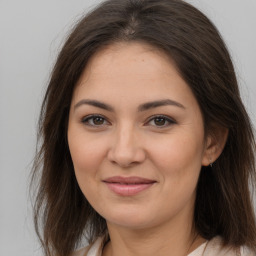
(223, 204)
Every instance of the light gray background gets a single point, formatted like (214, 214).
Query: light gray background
(31, 33)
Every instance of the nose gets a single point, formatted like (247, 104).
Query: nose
(126, 150)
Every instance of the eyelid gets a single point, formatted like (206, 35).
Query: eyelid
(85, 120)
(170, 120)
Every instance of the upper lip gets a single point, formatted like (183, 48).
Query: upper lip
(129, 180)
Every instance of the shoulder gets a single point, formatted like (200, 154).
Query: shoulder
(81, 252)
(215, 247)
(94, 249)
(246, 252)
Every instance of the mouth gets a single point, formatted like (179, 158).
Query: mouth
(128, 186)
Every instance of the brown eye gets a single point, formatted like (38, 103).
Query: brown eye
(160, 121)
(98, 120)
(94, 120)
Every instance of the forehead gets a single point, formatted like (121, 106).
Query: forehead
(132, 69)
(128, 59)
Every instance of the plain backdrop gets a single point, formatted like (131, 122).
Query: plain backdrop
(31, 34)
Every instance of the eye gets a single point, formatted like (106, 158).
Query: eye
(160, 121)
(95, 120)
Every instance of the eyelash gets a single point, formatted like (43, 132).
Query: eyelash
(86, 120)
(167, 119)
(91, 118)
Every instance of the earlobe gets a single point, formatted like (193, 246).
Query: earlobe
(214, 145)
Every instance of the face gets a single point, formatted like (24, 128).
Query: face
(136, 137)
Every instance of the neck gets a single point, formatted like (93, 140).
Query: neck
(162, 241)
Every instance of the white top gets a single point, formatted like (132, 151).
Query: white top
(210, 248)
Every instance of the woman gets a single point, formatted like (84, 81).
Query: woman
(146, 146)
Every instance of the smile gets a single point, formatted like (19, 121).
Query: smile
(128, 186)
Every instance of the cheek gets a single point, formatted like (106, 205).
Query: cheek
(84, 150)
(179, 158)
(178, 151)
(179, 164)
(87, 154)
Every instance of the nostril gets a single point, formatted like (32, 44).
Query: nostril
(126, 158)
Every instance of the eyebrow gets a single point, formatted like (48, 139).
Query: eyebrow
(94, 103)
(159, 103)
(142, 107)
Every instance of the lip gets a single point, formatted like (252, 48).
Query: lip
(128, 186)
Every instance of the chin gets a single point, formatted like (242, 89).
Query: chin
(131, 219)
(130, 223)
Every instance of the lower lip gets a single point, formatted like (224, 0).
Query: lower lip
(128, 189)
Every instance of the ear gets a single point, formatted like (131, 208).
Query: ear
(214, 144)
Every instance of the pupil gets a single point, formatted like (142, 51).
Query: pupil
(98, 120)
(160, 121)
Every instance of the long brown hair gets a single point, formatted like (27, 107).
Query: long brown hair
(223, 204)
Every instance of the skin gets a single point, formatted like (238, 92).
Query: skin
(126, 140)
